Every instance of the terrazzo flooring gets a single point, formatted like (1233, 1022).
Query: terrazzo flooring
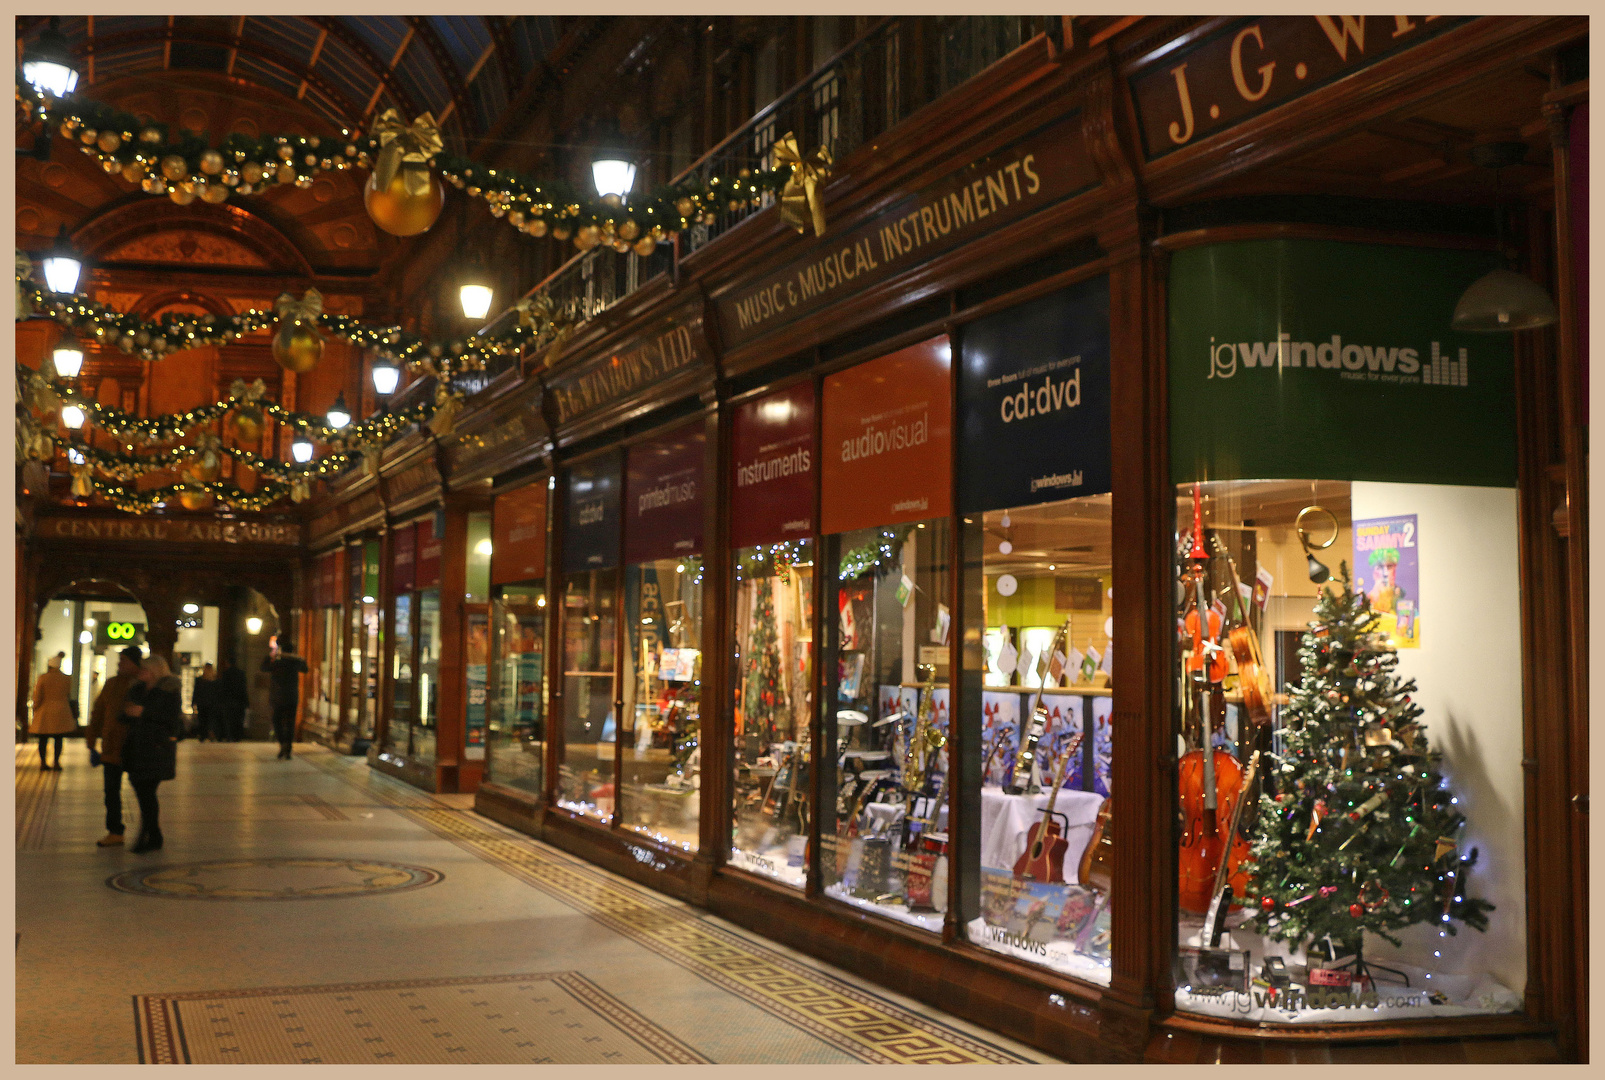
(660, 979)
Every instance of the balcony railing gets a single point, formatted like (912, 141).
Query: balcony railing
(900, 66)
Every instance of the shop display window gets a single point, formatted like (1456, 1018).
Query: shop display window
(398, 733)
(515, 706)
(422, 748)
(326, 702)
(590, 616)
(773, 696)
(1347, 666)
(662, 748)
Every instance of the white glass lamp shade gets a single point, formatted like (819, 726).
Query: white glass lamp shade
(253, 625)
(50, 77)
(61, 273)
(72, 416)
(1503, 300)
(69, 360)
(338, 415)
(613, 176)
(476, 300)
(301, 449)
(386, 376)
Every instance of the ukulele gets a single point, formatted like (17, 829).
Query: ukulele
(1098, 860)
(1209, 779)
(1025, 762)
(1043, 858)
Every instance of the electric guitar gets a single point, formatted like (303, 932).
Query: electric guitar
(1021, 779)
(1043, 858)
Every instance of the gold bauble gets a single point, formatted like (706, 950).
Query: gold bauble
(182, 194)
(629, 230)
(109, 141)
(204, 467)
(231, 177)
(657, 232)
(215, 192)
(88, 136)
(399, 212)
(587, 237)
(285, 152)
(173, 167)
(515, 218)
(154, 185)
(110, 165)
(286, 174)
(612, 199)
(211, 162)
(561, 232)
(133, 171)
(250, 172)
(150, 135)
(645, 246)
(537, 227)
(297, 347)
(620, 246)
(683, 207)
(248, 427)
(194, 500)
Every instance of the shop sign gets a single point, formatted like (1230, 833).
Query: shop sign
(431, 534)
(354, 569)
(773, 456)
(663, 492)
(370, 568)
(468, 449)
(169, 530)
(411, 481)
(1315, 359)
(672, 344)
(1044, 167)
(518, 534)
(403, 559)
(886, 442)
(327, 582)
(119, 635)
(1034, 388)
(591, 514)
(1253, 65)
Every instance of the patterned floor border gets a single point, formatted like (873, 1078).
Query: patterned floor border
(844, 1016)
(161, 1040)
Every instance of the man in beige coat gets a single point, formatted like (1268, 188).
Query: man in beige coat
(52, 709)
(106, 727)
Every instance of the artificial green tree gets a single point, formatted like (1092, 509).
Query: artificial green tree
(1362, 832)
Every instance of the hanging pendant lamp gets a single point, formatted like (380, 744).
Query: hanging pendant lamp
(1502, 300)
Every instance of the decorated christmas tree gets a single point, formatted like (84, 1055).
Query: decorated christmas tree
(764, 708)
(1363, 831)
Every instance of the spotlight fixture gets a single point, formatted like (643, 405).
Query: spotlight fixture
(190, 609)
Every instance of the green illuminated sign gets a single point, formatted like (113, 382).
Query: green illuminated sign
(118, 634)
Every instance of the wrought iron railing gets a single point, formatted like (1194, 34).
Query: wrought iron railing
(903, 64)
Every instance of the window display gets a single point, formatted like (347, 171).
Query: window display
(886, 492)
(772, 677)
(661, 747)
(403, 564)
(1347, 686)
(422, 749)
(585, 783)
(1034, 387)
(515, 709)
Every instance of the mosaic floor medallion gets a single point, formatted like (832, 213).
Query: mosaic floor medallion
(274, 879)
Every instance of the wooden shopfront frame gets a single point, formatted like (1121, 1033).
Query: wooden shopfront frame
(1112, 228)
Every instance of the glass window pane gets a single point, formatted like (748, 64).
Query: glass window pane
(662, 700)
(422, 749)
(515, 709)
(585, 778)
(773, 678)
(399, 730)
(1039, 603)
(884, 821)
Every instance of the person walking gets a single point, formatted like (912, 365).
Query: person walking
(208, 723)
(285, 668)
(233, 696)
(52, 709)
(154, 715)
(107, 727)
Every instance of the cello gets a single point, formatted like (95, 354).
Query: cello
(1210, 780)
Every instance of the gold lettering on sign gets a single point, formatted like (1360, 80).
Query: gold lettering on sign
(1352, 28)
(158, 530)
(1237, 66)
(625, 372)
(1180, 133)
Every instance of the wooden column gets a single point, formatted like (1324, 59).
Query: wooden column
(715, 729)
(387, 644)
(452, 722)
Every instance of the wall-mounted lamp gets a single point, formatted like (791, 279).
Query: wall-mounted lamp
(253, 625)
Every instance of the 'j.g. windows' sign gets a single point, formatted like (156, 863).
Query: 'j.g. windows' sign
(1254, 65)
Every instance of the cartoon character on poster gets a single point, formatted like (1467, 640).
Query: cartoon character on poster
(888, 701)
(1000, 720)
(1103, 748)
(1388, 570)
(939, 700)
(1064, 723)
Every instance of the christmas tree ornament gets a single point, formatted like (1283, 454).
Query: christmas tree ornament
(150, 135)
(88, 136)
(211, 163)
(645, 246)
(297, 346)
(183, 194)
(214, 193)
(153, 185)
(133, 172)
(587, 237)
(402, 195)
(194, 498)
(174, 168)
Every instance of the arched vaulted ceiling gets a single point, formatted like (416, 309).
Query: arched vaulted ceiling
(463, 68)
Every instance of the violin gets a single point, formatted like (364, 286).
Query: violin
(1244, 645)
(1210, 780)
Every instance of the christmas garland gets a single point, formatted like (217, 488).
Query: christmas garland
(877, 555)
(185, 166)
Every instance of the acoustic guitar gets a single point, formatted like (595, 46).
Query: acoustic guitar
(1043, 858)
(1098, 860)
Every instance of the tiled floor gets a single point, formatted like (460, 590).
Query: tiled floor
(105, 975)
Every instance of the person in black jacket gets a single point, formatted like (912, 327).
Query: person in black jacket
(286, 670)
(208, 723)
(153, 714)
(233, 697)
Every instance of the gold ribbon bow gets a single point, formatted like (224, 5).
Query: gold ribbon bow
(249, 394)
(307, 309)
(300, 490)
(803, 197)
(533, 311)
(82, 484)
(405, 148)
(447, 406)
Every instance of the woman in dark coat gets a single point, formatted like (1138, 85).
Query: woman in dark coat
(154, 716)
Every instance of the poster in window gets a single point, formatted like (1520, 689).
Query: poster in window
(591, 514)
(773, 457)
(1387, 568)
(518, 534)
(663, 492)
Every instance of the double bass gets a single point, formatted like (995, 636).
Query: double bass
(1210, 780)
